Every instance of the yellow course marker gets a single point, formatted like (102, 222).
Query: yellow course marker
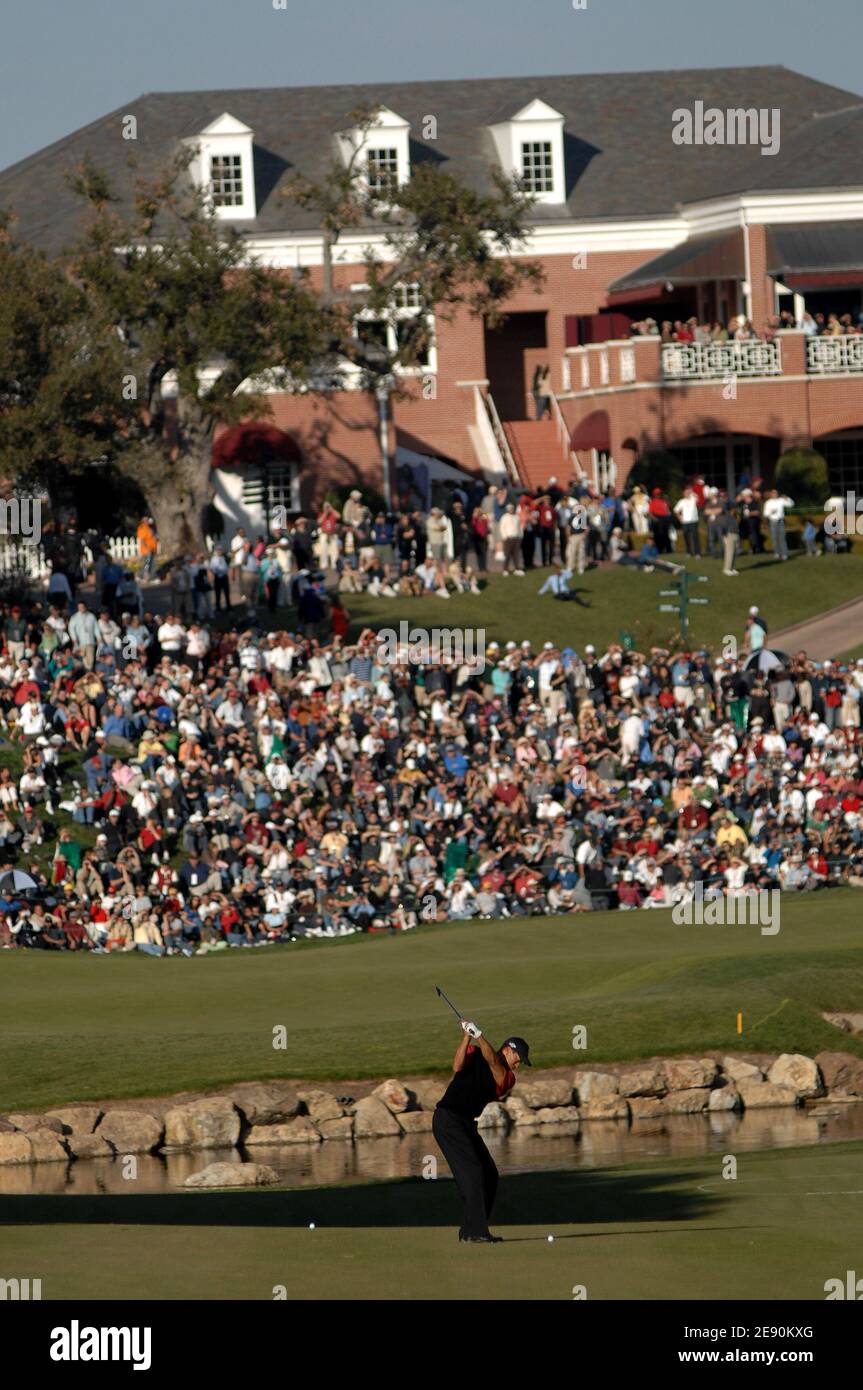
(740, 1023)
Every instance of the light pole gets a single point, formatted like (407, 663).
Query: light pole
(382, 391)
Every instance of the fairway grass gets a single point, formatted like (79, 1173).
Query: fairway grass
(102, 1027)
(790, 1221)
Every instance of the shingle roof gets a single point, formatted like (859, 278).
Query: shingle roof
(621, 161)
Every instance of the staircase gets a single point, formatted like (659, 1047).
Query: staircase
(536, 449)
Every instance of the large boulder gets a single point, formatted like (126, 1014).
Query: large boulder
(546, 1091)
(642, 1081)
(88, 1146)
(737, 1069)
(690, 1102)
(260, 1103)
(47, 1147)
(757, 1095)
(800, 1073)
(78, 1119)
(396, 1097)
(233, 1175)
(592, 1085)
(519, 1113)
(212, 1123)
(298, 1131)
(15, 1148)
(605, 1108)
(341, 1128)
(724, 1098)
(557, 1114)
(841, 1072)
(426, 1094)
(28, 1121)
(321, 1105)
(495, 1116)
(645, 1107)
(372, 1117)
(420, 1121)
(686, 1074)
(131, 1131)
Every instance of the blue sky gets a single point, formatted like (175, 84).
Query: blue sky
(63, 64)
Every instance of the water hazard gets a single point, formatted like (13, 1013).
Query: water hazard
(544, 1147)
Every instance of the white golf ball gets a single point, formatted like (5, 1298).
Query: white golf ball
(312, 1227)
(551, 1238)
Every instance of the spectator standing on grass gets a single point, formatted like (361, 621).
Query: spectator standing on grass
(84, 631)
(774, 514)
(659, 515)
(730, 540)
(218, 567)
(147, 546)
(686, 511)
(756, 631)
(511, 537)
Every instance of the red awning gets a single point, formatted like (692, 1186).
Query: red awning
(255, 443)
(593, 432)
(649, 294)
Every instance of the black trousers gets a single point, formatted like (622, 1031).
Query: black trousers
(473, 1168)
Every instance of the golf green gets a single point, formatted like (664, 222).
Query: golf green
(790, 1221)
(84, 1027)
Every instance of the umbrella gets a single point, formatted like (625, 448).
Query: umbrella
(15, 881)
(766, 660)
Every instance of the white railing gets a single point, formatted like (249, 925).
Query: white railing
(564, 437)
(840, 354)
(500, 436)
(30, 559)
(705, 361)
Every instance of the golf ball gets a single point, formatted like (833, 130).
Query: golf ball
(312, 1227)
(551, 1238)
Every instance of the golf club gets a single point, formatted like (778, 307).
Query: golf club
(448, 1001)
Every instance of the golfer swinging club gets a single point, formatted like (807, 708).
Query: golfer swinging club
(480, 1075)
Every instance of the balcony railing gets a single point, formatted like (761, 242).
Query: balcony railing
(708, 361)
(827, 356)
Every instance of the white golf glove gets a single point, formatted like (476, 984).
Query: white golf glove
(471, 1029)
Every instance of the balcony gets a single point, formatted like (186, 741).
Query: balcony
(709, 361)
(838, 356)
(621, 364)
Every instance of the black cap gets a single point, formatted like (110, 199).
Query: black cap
(520, 1046)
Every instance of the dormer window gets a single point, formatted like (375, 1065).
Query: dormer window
(380, 152)
(536, 166)
(382, 171)
(530, 148)
(226, 180)
(224, 167)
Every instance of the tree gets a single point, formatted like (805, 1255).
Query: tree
(158, 326)
(163, 317)
(451, 245)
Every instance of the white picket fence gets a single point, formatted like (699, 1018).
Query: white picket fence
(30, 559)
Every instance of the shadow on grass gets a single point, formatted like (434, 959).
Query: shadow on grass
(523, 1199)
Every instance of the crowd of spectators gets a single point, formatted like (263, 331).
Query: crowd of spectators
(740, 329)
(187, 786)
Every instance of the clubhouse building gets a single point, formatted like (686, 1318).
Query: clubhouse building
(662, 196)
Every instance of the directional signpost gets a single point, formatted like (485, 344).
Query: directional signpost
(680, 592)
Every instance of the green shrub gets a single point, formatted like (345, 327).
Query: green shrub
(658, 468)
(802, 474)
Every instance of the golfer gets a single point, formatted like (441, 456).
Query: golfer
(480, 1075)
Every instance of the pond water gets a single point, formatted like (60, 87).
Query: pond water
(543, 1147)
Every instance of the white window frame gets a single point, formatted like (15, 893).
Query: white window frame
(389, 131)
(536, 123)
(399, 312)
(226, 137)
